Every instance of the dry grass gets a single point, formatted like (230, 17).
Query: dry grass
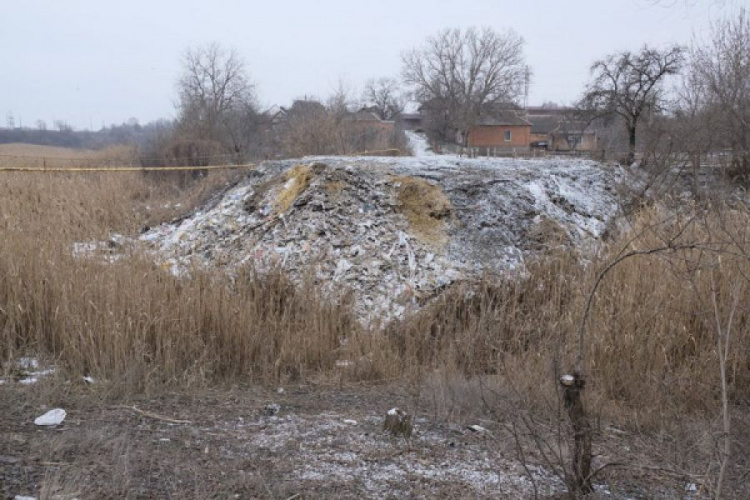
(425, 206)
(32, 155)
(650, 337)
(129, 322)
(298, 179)
(650, 342)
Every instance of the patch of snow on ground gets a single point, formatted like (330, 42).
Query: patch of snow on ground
(322, 448)
(418, 143)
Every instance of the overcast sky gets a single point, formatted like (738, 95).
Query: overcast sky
(93, 62)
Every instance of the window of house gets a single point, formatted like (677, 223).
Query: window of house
(507, 136)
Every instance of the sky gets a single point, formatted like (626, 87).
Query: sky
(93, 63)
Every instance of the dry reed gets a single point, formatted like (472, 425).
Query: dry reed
(650, 344)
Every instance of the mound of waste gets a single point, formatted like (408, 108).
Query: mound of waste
(393, 231)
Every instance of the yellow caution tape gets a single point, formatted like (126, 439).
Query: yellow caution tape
(166, 169)
(121, 169)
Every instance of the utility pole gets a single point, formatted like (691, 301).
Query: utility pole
(526, 88)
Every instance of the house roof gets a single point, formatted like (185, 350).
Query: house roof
(502, 118)
(542, 111)
(544, 124)
(575, 127)
(365, 116)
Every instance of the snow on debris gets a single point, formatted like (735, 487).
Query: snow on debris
(394, 230)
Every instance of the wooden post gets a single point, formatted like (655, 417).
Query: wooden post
(580, 483)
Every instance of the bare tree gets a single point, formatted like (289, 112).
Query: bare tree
(385, 95)
(63, 126)
(721, 71)
(456, 74)
(216, 97)
(630, 85)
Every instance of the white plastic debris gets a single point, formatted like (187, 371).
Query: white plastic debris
(349, 421)
(89, 380)
(476, 428)
(23, 497)
(691, 487)
(567, 380)
(393, 411)
(51, 418)
(280, 390)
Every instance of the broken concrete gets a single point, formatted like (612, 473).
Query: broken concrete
(394, 231)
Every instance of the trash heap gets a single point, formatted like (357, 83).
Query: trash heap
(393, 232)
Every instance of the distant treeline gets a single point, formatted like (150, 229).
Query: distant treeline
(130, 133)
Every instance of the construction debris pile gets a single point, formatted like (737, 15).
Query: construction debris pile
(393, 232)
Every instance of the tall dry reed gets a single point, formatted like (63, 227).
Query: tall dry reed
(649, 343)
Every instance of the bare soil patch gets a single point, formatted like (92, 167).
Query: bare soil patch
(322, 443)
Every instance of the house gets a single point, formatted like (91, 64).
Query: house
(504, 129)
(411, 121)
(367, 132)
(556, 129)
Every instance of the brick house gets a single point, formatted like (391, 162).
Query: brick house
(367, 132)
(556, 130)
(501, 130)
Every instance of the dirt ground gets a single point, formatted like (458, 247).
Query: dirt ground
(323, 442)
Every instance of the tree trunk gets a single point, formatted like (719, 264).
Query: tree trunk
(631, 144)
(580, 484)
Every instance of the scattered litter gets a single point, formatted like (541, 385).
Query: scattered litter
(271, 409)
(51, 418)
(280, 390)
(691, 487)
(23, 497)
(89, 380)
(349, 421)
(476, 428)
(567, 380)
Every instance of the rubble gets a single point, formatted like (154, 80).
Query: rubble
(395, 231)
